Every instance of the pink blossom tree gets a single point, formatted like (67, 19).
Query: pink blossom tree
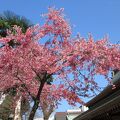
(63, 57)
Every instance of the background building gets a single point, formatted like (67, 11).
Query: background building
(106, 105)
(70, 114)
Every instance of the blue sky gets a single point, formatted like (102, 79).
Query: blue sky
(98, 17)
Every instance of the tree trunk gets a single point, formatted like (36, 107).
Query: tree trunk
(46, 118)
(17, 115)
(36, 101)
(34, 109)
(47, 110)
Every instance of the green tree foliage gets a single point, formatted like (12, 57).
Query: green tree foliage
(8, 19)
